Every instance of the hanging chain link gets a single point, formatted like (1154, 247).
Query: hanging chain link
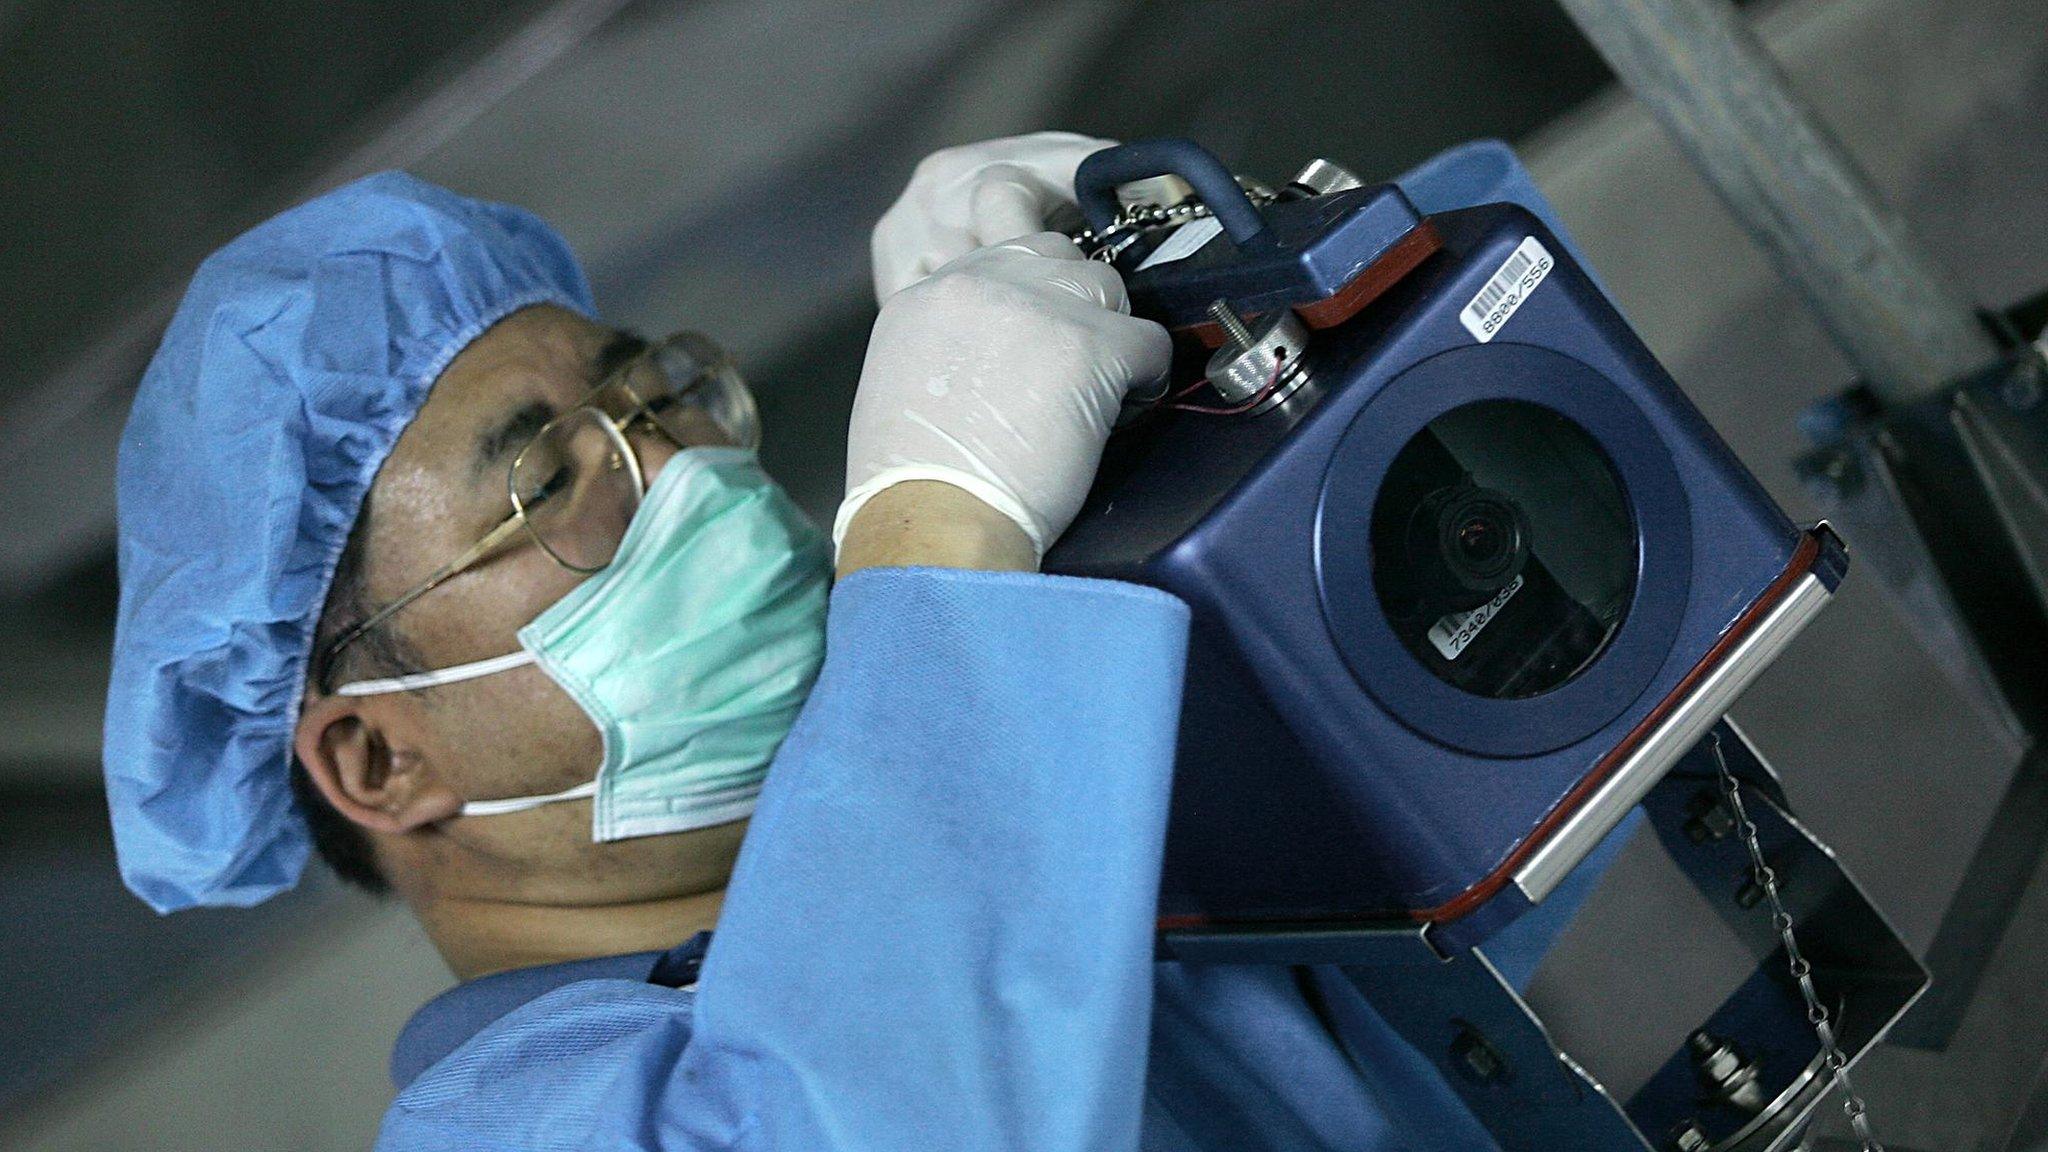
(1832, 1057)
(1134, 220)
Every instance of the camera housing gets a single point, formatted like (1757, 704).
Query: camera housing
(1461, 595)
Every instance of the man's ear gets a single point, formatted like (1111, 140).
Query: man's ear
(379, 782)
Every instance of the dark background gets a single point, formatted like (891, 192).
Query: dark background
(718, 165)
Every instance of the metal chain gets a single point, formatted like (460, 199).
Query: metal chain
(1134, 220)
(1832, 1057)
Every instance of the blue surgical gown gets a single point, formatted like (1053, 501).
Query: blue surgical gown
(939, 934)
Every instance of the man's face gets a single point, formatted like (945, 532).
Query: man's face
(514, 733)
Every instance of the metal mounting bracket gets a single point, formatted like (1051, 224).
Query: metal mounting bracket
(1496, 1052)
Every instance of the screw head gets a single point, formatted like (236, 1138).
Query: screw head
(1475, 1059)
(1710, 819)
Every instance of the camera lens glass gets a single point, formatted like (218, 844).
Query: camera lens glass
(1464, 544)
(1503, 548)
(1482, 540)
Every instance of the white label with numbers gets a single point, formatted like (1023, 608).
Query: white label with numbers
(1454, 633)
(1506, 291)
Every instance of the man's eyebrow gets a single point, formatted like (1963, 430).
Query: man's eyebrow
(512, 433)
(516, 429)
(619, 348)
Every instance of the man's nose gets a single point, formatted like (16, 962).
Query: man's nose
(651, 447)
(689, 428)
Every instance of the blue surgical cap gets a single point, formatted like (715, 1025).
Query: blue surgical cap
(300, 352)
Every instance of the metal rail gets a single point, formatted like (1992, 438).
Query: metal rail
(1904, 326)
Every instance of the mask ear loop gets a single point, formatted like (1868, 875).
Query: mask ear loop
(583, 791)
(453, 674)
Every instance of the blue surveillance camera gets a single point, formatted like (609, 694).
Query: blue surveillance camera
(1469, 572)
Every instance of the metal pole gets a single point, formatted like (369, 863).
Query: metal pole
(1905, 327)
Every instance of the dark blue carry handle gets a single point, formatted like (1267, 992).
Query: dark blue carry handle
(1096, 182)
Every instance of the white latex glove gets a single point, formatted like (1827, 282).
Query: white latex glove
(1001, 374)
(964, 198)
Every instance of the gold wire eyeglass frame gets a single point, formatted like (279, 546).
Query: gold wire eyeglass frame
(617, 407)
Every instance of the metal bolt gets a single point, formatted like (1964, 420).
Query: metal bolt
(1687, 1137)
(1728, 1078)
(1233, 324)
(1262, 357)
(1711, 819)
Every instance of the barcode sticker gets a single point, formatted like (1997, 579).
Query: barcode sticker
(1454, 633)
(1186, 240)
(1506, 291)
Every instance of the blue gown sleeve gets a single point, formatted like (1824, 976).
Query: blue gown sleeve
(939, 934)
(939, 931)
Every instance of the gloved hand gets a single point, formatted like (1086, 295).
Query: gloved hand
(1001, 374)
(964, 198)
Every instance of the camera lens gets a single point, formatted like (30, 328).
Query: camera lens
(1504, 551)
(1465, 544)
(1481, 540)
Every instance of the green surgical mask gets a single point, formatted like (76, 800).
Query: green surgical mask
(691, 652)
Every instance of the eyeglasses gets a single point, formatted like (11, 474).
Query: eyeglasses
(575, 485)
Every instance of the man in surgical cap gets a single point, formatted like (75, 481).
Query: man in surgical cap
(427, 569)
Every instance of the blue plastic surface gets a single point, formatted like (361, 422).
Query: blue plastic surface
(1588, 702)
(1323, 774)
(1313, 248)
